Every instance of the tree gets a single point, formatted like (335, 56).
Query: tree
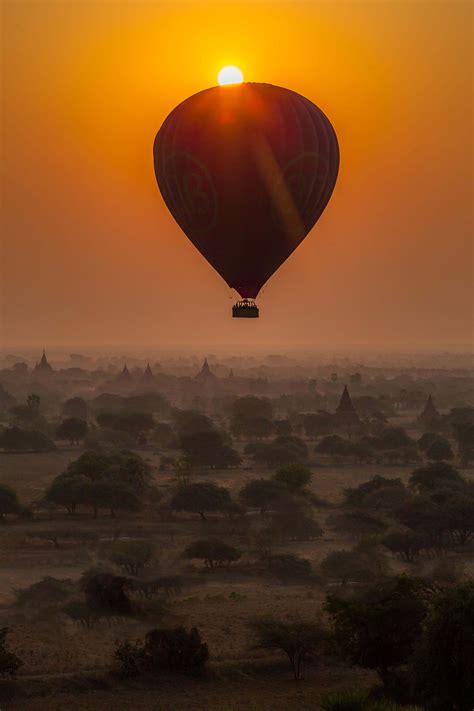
(293, 476)
(282, 450)
(394, 438)
(208, 448)
(318, 424)
(434, 476)
(81, 611)
(201, 498)
(163, 434)
(296, 524)
(282, 427)
(14, 439)
(289, 568)
(334, 445)
(458, 516)
(439, 450)
(125, 467)
(356, 523)
(359, 496)
(214, 553)
(387, 499)
(251, 406)
(426, 440)
(426, 517)
(351, 566)
(132, 556)
(464, 435)
(9, 503)
(9, 662)
(68, 491)
(105, 592)
(72, 429)
(190, 422)
(175, 650)
(407, 544)
(136, 424)
(111, 494)
(44, 596)
(444, 659)
(76, 407)
(379, 628)
(261, 493)
(300, 641)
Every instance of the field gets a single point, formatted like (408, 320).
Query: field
(220, 603)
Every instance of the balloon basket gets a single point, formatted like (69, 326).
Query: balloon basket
(247, 308)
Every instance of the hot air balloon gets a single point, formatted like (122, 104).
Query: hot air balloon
(246, 170)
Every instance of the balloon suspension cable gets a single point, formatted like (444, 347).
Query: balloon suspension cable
(246, 308)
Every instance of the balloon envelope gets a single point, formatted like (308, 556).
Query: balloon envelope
(246, 171)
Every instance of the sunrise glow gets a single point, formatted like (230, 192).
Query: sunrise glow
(230, 75)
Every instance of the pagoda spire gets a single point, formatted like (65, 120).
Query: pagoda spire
(148, 376)
(430, 408)
(205, 373)
(43, 366)
(124, 376)
(346, 412)
(345, 403)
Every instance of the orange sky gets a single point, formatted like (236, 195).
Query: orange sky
(91, 256)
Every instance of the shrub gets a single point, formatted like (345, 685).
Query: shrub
(175, 650)
(444, 660)
(82, 612)
(294, 477)
(214, 553)
(132, 556)
(434, 476)
(345, 701)
(356, 523)
(295, 524)
(407, 544)
(358, 701)
(379, 628)
(130, 658)
(8, 501)
(44, 596)
(351, 566)
(105, 592)
(261, 493)
(299, 640)
(440, 450)
(9, 662)
(358, 496)
(289, 568)
(72, 429)
(201, 498)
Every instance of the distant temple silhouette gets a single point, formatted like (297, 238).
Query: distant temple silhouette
(430, 416)
(345, 412)
(43, 367)
(124, 378)
(147, 378)
(205, 375)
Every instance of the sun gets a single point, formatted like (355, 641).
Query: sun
(230, 75)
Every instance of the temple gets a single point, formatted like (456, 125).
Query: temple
(205, 374)
(43, 367)
(124, 378)
(346, 414)
(429, 418)
(147, 378)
